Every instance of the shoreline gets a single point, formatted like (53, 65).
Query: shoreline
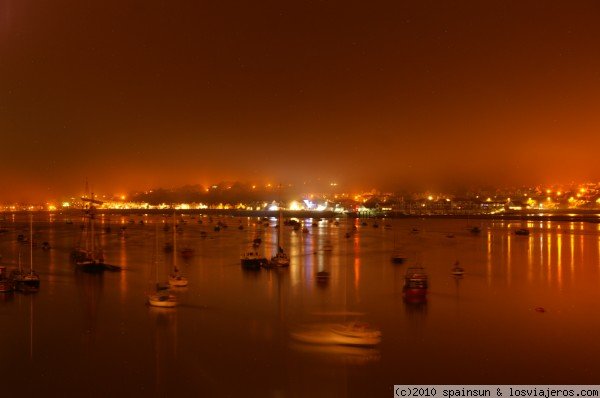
(591, 216)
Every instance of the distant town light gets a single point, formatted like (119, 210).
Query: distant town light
(322, 207)
(294, 206)
(66, 204)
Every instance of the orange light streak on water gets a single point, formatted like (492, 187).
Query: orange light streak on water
(549, 255)
(123, 274)
(572, 251)
(508, 259)
(559, 258)
(489, 258)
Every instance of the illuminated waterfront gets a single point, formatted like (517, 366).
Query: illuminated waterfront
(86, 334)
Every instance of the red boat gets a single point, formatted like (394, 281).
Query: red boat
(416, 281)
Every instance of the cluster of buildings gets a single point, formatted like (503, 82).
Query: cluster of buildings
(534, 200)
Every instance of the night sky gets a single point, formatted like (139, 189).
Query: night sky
(424, 94)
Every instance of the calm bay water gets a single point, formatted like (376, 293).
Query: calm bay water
(93, 335)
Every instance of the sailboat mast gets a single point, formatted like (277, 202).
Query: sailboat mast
(156, 251)
(174, 242)
(280, 228)
(86, 220)
(31, 242)
(280, 222)
(92, 224)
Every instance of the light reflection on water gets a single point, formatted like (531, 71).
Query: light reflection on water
(233, 327)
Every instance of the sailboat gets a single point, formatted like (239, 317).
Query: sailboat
(457, 270)
(90, 257)
(30, 280)
(161, 297)
(280, 259)
(175, 277)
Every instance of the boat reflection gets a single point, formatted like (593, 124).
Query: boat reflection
(415, 301)
(91, 286)
(336, 353)
(165, 347)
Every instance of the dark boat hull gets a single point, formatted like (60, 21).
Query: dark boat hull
(96, 266)
(254, 263)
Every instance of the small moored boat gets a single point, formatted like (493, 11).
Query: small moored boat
(416, 281)
(457, 270)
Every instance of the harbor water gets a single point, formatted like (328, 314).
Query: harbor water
(526, 310)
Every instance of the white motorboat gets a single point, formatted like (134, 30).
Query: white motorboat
(349, 334)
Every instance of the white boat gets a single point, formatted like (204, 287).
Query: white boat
(177, 280)
(349, 334)
(162, 299)
(281, 259)
(457, 270)
(356, 330)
